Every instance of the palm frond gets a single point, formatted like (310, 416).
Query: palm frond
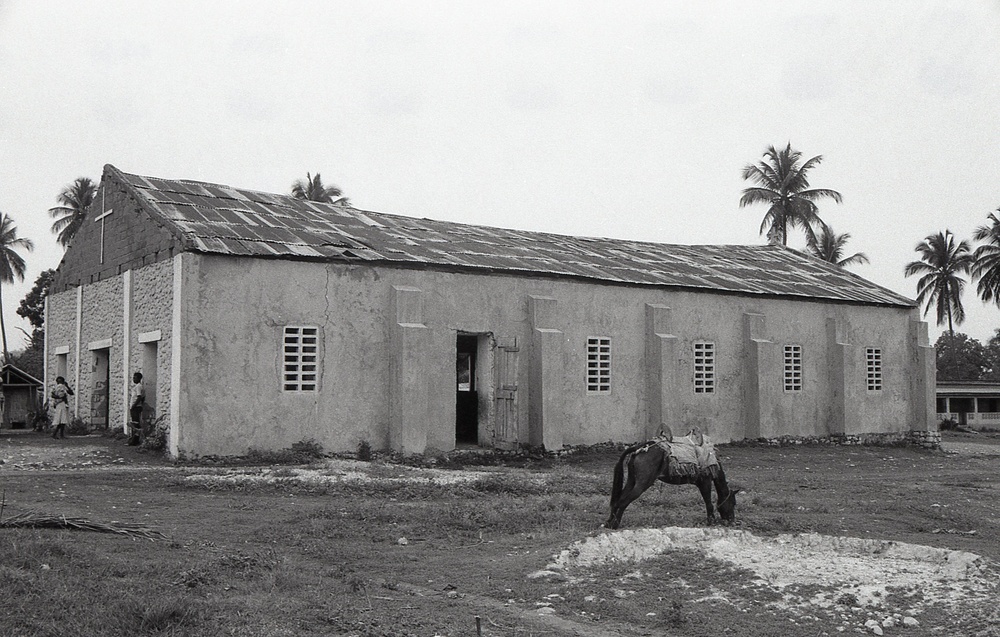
(756, 195)
(36, 520)
(989, 231)
(75, 200)
(783, 181)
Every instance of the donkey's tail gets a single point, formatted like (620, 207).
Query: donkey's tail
(619, 479)
(619, 474)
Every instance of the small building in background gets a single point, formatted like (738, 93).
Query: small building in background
(969, 403)
(22, 397)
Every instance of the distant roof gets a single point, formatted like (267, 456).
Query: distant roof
(15, 376)
(216, 219)
(968, 388)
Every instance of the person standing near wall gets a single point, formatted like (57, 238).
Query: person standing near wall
(60, 404)
(136, 401)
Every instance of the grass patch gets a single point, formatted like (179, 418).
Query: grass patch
(393, 557)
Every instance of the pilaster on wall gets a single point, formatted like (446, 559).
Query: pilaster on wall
(126, 347)
(545, 398)
(46, 383)
(77, 355)
(838, 372)
(409, 397)
(661, 370)
(758, 386)
(923, 379)
(179, 318)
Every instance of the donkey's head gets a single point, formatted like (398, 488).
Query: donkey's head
(727, 506)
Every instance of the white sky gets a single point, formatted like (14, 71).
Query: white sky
(621, 119)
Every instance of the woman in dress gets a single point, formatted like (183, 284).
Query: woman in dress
(60, 404)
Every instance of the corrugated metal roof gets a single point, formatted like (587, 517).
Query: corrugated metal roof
(219, 219)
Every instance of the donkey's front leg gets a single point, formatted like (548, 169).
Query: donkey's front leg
(705, 487)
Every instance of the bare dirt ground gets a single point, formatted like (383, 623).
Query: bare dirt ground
(828, 539)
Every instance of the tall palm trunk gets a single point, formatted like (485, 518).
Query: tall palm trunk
(3, 329)
(951, 327)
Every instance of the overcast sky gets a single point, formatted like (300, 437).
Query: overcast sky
(621, 119)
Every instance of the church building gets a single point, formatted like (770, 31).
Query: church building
(259, 320)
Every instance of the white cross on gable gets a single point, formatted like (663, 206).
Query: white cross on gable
(101, 219)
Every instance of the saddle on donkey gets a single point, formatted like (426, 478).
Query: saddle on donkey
(686, 459)
(691, 455)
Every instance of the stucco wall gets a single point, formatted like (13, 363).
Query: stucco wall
(234, 310)
(230, 378)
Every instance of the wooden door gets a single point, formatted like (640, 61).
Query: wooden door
(505, 431)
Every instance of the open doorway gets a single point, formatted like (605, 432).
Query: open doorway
(468, 381)
(149, 368)
(101, 381)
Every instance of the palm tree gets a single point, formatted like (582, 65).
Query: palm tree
(987, 259)
(75, 199)
(829, 246)
(783, 183)
(312, 189)
(942, 262)
(11, 265)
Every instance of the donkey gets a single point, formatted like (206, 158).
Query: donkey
(648, 462)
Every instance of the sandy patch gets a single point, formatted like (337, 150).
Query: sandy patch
(845, 566)
(332, 472)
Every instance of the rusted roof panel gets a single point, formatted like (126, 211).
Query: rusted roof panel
(220, 219)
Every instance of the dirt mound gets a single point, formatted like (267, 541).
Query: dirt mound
(863, 571)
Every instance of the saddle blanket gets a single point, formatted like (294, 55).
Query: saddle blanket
(690, 455)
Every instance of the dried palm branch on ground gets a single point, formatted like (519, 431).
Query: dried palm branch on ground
(35, 520)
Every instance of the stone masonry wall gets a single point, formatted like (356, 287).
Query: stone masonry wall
(152, 310)
(60, 332)
(102, 320)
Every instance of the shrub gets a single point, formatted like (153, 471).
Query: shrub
(39, 418)
(155, 435)
(365, 451)
(302, 452)
(78, 427)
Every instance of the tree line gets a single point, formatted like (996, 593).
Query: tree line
(944, 264)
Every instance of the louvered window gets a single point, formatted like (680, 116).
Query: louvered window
(793, 368)
(300, 345)
(598, 364)
(704, 367)
(873, 365)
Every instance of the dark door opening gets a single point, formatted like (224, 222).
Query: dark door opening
(101, 384)
(467, 392)
(962, 406)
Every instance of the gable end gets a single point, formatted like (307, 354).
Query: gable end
(108, 244)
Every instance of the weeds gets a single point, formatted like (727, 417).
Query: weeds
(155, 435)
(503, 483)
(77, 427)
(302, 452)
(159, 614)
(365, 452)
